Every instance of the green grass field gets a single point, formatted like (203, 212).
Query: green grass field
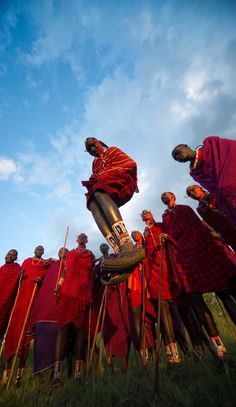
(191, 384)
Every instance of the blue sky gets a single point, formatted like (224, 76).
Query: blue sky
(140, 75)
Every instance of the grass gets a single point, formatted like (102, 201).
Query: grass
(192, 384)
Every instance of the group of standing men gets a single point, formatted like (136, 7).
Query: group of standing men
(166, 271)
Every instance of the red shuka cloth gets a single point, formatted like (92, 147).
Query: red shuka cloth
(135, 287)
(9, 277)
(118, 329)
(170, 287)
(216, 171)
(215, 218)
(115, 173)
(76, 292)
(45, 305)
(201, 264)
(33, 268)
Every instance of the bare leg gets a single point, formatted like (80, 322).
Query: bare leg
(205, 317)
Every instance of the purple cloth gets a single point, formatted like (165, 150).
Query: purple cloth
(44, 345)
(216, 172)
(45, 305)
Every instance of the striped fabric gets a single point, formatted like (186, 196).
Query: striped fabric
(115, 173)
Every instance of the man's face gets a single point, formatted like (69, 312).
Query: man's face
(194, 192)
(82, 239)
(38, 252)
(104, 248)
(92, 147)
(181, 153)
(167, 198)
(147, 216)
(136, 235)
(60, 253)
(11, 256)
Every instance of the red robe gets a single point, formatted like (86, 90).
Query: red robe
(170, 287)
(43, 321)
(216, 171)
(118, 329)
(33, 268)
(211, 213)
(45, 307)
(115, 173)
(76, 292)
(9, 277)
(201, 264)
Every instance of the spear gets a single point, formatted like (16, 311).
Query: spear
(62, 256)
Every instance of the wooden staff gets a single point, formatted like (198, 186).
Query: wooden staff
(97, 326)
(62, 256)
(89, 333)
(102, 325)
(21, 335)
(157, 359)
(158, 348)
(143, 333)
(12, 311)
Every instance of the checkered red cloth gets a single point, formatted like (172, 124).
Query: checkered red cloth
(33, 268)
(201, 264)
(216, 171)
(72, 310)
(9, 276)
(215, 218)
(79, 275)
(170, 287)
(115, 173)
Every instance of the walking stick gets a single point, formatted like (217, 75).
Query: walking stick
(102, 325)
(158, 348)
(12, 311)
(62, 256)
(21, 335)
(143, 334)
(97, 326)
(89, 333)
(157, 359)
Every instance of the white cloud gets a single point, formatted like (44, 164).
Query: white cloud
(9, 169)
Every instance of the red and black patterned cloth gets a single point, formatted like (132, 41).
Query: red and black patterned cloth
(216, 171)
(201, 264)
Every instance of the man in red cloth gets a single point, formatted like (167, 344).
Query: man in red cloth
(34, 269)
(200, 264)
(212, 214)
(43, 322)
(168, 288)
(9, 278)
(76, 286)
(112, 184)
(213, 166)
(144, 313)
